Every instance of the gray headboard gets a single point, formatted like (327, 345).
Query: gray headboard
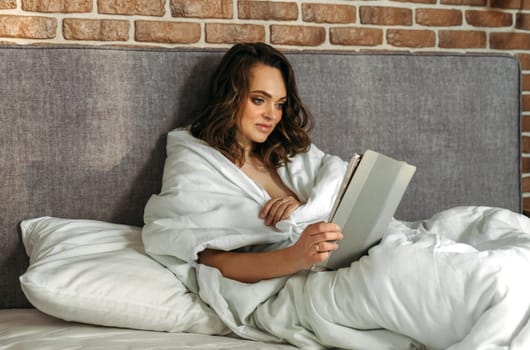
(83, 128)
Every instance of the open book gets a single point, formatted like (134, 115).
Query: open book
(368, 198)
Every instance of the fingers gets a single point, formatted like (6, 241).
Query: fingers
(317, 242)
(279, 208)
(325, 237)
(325, 247)
(321, 252)
(324, 231)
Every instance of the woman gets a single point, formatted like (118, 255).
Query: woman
(241, 218)
(258, 123)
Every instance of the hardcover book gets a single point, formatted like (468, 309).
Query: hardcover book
(368, 198)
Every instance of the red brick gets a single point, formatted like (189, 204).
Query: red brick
(464, 2)
(356, 36)
(525, 82)
(525, 144)
(525, 103)
(267, 10)
(524, 60)
(8, 4)
(323, 13)
(57, 5)
(132, 7)
(525, 123)
(202, 8)
(28, 27)
(385, 15)
(522, 21)
(234, 33)
(526, 187)
(461, 39)
(511, 4)
(525, 164)
(167, 32)
(525, 202)
(297, 35)
(438, 17)
(526, 206)
(95, 29)
(411, 38)
(510, 41)
(488, 18)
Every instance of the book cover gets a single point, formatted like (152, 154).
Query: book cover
(370, 194)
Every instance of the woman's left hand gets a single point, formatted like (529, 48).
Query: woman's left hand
(277, 209)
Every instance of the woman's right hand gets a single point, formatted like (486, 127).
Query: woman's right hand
(257, 266)
(315, 244)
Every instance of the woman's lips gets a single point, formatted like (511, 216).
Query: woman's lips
(264, 127)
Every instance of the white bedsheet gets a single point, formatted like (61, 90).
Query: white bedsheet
(29, 329)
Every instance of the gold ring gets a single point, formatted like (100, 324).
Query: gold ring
(317, 246)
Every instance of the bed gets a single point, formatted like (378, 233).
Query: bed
(83, 140)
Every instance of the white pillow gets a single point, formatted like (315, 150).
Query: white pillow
(97, 272)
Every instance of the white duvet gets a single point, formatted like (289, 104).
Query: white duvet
(458, 280)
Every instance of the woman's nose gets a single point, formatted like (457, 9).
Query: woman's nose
(270, 111)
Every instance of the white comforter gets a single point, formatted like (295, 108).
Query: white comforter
(458, 280)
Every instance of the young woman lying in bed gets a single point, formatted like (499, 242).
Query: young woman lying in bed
(241, 218)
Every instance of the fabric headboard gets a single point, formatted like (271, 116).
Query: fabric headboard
(83, 128)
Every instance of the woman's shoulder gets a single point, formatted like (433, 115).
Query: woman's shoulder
(183, 146)
(313, 151)
(183, 137)
(180, 134)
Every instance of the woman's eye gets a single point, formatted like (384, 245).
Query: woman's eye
(280, 105)
(257, 100)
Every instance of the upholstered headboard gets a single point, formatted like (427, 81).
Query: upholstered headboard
(83, 128)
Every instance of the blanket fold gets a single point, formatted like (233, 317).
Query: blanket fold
(444, 282)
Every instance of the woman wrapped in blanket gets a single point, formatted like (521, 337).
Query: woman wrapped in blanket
(241, 219)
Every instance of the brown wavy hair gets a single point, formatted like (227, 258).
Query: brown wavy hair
(217, 124)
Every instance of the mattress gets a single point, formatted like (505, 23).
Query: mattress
(29, 329)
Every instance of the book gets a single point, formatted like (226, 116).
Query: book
(368, 198)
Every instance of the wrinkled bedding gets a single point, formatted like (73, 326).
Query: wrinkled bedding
(457, 280)
(29, 329)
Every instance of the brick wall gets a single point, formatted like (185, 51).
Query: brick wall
(397, 25)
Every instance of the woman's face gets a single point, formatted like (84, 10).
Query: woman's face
(261, 110)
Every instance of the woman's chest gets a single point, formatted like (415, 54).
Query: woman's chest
(269, 181)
